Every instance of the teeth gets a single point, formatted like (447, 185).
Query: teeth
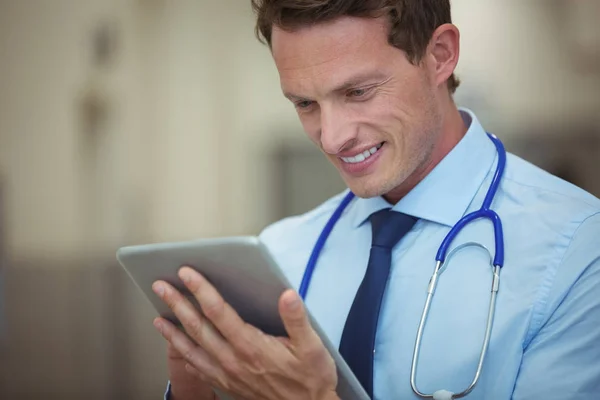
(362, 156)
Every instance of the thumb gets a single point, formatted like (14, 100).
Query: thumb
(295, 319)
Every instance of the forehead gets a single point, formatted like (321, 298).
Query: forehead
(329, 51)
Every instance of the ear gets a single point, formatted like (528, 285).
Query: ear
(444, 50)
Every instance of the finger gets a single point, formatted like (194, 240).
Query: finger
(196, 326)
(295, 320)
(284, 341)
(188, 350)
(221, 314)
(174, 354)
(190, 369)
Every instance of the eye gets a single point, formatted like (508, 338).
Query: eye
(358, 93)
(304, 104)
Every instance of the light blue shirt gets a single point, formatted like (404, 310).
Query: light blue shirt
(545, 341)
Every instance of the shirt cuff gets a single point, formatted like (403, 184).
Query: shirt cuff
(168, 391)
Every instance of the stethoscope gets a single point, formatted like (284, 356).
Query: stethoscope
(442, 259)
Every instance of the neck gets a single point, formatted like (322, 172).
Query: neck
(453, 130)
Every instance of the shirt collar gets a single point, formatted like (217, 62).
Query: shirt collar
(445, 194)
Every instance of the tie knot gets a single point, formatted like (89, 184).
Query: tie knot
(389, 227)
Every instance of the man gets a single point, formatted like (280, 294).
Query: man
(372, 82)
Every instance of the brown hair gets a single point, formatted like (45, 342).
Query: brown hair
(412, 21)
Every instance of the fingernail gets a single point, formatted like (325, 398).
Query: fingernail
(292, 302)
(158, 325)
(185, 275)
(159, 289)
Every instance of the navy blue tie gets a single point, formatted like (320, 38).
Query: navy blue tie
(358, 339)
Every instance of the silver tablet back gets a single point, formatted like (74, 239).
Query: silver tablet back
(243, 271)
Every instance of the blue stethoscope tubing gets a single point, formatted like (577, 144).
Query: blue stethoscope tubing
(484, 212)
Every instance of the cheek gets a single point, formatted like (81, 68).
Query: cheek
(386, 115)
(410, 98)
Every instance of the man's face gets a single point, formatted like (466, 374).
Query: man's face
(373, 113)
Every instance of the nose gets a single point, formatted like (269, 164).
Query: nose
(337, 132)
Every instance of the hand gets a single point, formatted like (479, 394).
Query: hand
(240, 359)
(185, 384)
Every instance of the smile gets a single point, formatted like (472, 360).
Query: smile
(362, 156)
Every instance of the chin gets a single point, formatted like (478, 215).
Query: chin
(367, 190)
(369, 187)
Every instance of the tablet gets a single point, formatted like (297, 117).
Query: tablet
(245, 274)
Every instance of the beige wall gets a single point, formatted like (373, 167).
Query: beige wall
(519, 57)
(57, 188)
(187, 115)
(194, 106)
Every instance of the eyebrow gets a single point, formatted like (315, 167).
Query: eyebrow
(352, 82)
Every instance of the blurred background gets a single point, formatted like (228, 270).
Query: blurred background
(135, 121)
